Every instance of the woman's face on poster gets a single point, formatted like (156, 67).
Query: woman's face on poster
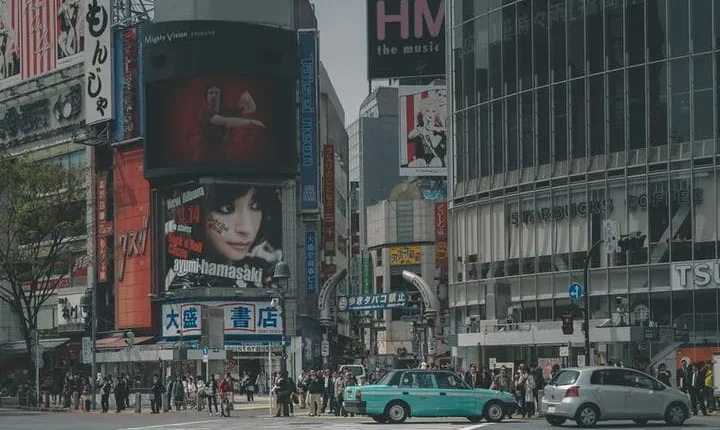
(232, 228)
(429, 115)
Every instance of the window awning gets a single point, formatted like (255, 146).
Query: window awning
(18, 347)
(119, 342)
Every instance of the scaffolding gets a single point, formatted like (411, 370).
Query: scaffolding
(127, 13)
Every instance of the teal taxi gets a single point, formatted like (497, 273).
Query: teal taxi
(402, 394)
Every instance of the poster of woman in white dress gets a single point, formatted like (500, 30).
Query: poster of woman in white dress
(70, 34)
(423, 135)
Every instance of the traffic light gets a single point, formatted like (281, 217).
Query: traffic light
(567, 324)
(632, 242)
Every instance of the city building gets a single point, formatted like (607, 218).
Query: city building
(565, 115)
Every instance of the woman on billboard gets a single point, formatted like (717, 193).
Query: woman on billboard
(216, 122)
(240, 233)
(429, 135)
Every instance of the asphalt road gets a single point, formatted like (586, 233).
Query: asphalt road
(258, 419)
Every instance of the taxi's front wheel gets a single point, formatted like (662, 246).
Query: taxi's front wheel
(494, 412)
(397, 412)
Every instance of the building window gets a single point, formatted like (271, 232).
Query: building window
(597, 114)
(560, 123)
(656, 29)
(594, 36)
(576, 38)
(678, 27)
(636, 106)
(577, 118)
(541, 41)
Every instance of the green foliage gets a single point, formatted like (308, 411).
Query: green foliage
(42, 207)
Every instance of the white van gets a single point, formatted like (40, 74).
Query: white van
(358, 371)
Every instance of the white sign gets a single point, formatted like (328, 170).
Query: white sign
(581, 360)
(432, 348)
(87, 349)
(701, 274)
(611, 235)
(564, 351)
(98, 61)
(325, 348)
(252, 318)
(69, 310)
(181, 319)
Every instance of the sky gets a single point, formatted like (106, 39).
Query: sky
(343, 47)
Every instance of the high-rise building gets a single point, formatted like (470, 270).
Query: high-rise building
(574, 122)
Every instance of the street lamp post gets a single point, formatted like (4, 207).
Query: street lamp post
(586, 286)
(281, 276)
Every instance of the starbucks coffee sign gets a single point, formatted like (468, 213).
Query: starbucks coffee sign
(700, 274)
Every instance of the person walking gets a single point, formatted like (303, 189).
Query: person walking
(157, 389)
(105, 395)
(211, 393)
(283, 389)
(316, 389)
(697, 389)
(119, 392)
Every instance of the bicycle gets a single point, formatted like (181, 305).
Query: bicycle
(225, 405)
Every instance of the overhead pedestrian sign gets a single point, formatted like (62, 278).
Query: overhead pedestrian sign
(575, 291)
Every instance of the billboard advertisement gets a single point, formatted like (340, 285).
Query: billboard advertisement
(210, 112)
(98, 60)
(238, 121)
(243, 319)
(307, 46)
(311, 261)
(329, 199)
(405, 38)
(133, 274)
(130, 115)
(102, 241)
(405, 255)
(423, 135)
(221, 235)
(11, 53)
(373, 302)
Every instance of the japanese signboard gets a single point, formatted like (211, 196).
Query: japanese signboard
(329, 199)
(311, 249)
(221, 235)
(132, 240)
(9, 34)
(102, 240)
(371, 302)
(98, 62)
(405, 255)
(307, 45)
(181, 319)
(130, 84)
(252, 318)
(367, 274)
(405, 38)
(441, 234)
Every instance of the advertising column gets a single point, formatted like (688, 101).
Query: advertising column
(329, 209)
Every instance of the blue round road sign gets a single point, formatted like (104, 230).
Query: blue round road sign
(205, 350)
(575, 291)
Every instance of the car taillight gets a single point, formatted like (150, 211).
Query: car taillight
(573, 391)
(358, 395)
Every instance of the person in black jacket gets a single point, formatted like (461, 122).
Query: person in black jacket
(316, 387)
(157, 390)
(473, 378)
(105, 394)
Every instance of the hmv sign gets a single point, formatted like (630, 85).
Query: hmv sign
(406, 38)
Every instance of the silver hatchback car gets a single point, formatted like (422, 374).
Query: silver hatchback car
(591, 394)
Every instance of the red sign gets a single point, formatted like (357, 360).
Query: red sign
(132, 247)
(329, 199)
(101, 217)
(56, 283)
(130, 73)
(80, 263)
(441, 234)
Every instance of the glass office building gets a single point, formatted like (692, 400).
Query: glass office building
(571, 117)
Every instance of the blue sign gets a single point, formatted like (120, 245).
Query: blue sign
(307, 46)
(575, 290)
(372, 302)
(311, 261)
(205, 350)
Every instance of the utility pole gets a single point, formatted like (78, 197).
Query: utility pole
(586, 286)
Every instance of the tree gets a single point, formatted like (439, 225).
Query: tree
(42, 211)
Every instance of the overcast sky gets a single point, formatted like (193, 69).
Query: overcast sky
(343, 50)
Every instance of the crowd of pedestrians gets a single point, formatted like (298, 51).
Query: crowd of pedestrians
(317, 391)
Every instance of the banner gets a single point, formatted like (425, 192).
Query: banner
(329, 199)
(131, 126)
(405, 255)
(181, 319)
(9, 36)
(441, 234)
(367, 274)
(311, 250)
(423, 134)
(406, 38)
(98, 62)
(222, 235)
(371, 302)
(102, 247)
(307, 46)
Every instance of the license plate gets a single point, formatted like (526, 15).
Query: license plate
(551, 409)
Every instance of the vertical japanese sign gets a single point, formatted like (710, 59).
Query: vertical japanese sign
(307, 45)
(181, 319)
(98, 62)
(441, 235)
(367, 274)
(102, 270)
(311, 261)
(38, 41)
(130, 83)
(329, 199)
